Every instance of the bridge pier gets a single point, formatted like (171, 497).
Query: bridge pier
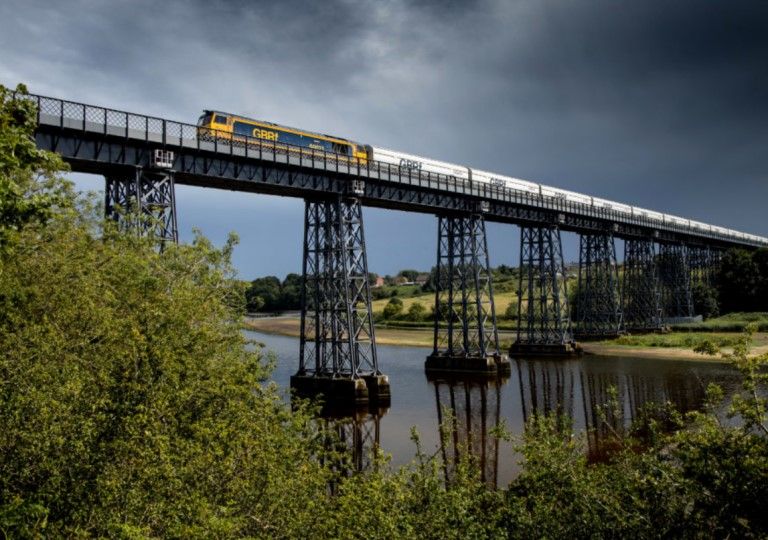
(338, 347)
(465, 333)
(641, 296)
(544, 324)
(143, 201)
(675, 278)
(598, 307)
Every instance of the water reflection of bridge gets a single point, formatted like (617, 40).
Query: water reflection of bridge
(470, 408)
(357, 432)
(468, 412)
(577, 392)
(582, 392)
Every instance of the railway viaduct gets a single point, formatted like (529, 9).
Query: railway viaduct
(142, 158)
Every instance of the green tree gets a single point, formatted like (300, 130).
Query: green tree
(737, 281)
(416, 312)
(410, 275)
(511, 312)
(130, 403)
(267, 289)
(290, 293)
(705, 300)
(30, 189)
(393, 308)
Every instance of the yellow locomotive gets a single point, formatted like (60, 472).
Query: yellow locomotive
(283, 138)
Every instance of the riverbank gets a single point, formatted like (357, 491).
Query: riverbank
(676, 346)
(404, 337)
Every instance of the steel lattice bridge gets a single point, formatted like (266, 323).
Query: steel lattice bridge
(143, 157)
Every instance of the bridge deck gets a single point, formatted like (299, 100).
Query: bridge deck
(100, 140)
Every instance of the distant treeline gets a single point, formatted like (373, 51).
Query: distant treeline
(740, 285)
(269, 294)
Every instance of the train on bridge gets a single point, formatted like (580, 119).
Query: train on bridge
(294, 140)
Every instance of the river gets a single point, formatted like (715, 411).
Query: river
(577, 387)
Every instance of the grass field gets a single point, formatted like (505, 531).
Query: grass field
(733, 322)
(502, 300)
(683, 340)
(416, 337)
(674, 345)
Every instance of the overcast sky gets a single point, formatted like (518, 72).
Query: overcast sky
(655, 103)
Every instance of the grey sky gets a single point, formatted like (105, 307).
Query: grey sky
(655, 103)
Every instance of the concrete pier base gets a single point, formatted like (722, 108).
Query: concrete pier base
(378, 389)
(545, 349)
(444, 363)
(335, 391)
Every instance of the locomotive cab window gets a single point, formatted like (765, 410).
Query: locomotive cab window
(341, 148)
(219, 119)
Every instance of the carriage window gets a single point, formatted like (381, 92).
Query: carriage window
(219, 119)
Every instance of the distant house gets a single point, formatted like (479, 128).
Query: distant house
(421, 279)
(402, 280)
(379, 282)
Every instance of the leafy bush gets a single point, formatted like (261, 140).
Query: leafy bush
(393, 308)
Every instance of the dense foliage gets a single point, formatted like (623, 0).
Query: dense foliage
(742, 281)
(270, 295)
(131, 406)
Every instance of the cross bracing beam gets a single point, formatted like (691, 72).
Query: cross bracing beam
(465, 315)
(675, 279)
(598, 306)
(641, 295)
(143, 201)
(98, 140)
(704, 263)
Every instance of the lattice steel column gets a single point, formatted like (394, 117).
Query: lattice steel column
(337, 335)
(145, 202)
(641, 297)
(598, 309)
(544, 324)
(465, 316)
(675, 278)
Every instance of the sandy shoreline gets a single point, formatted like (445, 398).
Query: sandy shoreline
(419, 337)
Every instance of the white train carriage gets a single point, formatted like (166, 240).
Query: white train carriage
(417, 164)
(410, 162)
(565, 195)
(669, 219)
(611, 205)
(699, 226)
(505, 181)
(647, 214)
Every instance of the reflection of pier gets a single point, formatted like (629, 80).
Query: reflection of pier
(357, 434)
(557, 387)
(546, 387)
(468, 410)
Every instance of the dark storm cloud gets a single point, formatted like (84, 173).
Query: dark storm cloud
(656, 103)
